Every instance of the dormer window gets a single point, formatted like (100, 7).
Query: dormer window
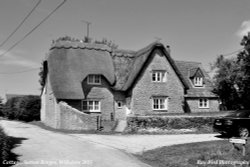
(198, 81)
(94, 79)
(159, 76)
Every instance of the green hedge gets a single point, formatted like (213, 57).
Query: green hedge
(136, 123)
(4, 146)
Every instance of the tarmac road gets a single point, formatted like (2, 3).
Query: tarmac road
(44, 148)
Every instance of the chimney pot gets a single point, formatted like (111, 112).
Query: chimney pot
(168, 49)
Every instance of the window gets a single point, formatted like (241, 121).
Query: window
(159, 76)
(160, 103)
(119, 104)
(94, 79)
(203, 103)
(91, 105)
(198, 81)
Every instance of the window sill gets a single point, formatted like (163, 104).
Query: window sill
(164, 110)
(159, 82)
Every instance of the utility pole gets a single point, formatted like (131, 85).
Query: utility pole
(87, 23)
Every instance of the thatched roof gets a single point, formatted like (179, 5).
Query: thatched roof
(69, 63)
(128, 65)
(188, 70)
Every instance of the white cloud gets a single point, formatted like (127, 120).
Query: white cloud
(10, 59)
(244, 28)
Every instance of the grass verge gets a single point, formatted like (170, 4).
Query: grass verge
(206, 154)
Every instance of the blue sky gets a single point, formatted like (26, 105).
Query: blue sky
(196, 30)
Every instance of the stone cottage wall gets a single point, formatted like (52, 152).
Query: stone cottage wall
(193, 105)
(145, 89)
(104, 94)
(120, 112)
(49, 109)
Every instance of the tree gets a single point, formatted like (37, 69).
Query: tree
(227, 82)
(232, 78)
(244, 61)
(1, 106)
(25, 108)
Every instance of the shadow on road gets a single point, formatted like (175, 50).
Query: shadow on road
(223, 136)
(12, 158)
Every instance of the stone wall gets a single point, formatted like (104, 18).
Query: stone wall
(72, 119)
(144, 88)
(193, 105)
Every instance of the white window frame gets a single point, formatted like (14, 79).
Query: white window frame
(198, 81)
(119, 102)
(159, 76)
(160, 102)
(93, 105)
(203, 103)
(94, 79)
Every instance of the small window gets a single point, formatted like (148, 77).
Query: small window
(160, 103)
(203, 103)
(159, 76)
(94, 79)
(119, 104)
(198, 81)
(91, 105)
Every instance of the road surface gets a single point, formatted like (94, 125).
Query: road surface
(44, 148)
(41, 147)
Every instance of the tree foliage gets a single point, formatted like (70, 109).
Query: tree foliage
(26, 108)
(232, 79)
(1, 106)
(244, 62)
(226, 82)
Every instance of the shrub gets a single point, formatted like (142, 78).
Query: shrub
(166, 123)
(26, 108)
(4, 146)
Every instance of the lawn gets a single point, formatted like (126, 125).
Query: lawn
(206, 154)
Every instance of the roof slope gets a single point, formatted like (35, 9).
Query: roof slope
(188, 69)
(129, 64)
(69, 63)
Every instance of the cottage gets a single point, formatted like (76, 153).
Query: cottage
(97, 82)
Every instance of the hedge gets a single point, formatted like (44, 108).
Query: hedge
(26, 108)
(4, 146)
(135, 123)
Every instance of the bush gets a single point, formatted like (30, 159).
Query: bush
(4, 146)
(26, 108)
(166, 123)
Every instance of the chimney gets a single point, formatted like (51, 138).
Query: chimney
(168, 49)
